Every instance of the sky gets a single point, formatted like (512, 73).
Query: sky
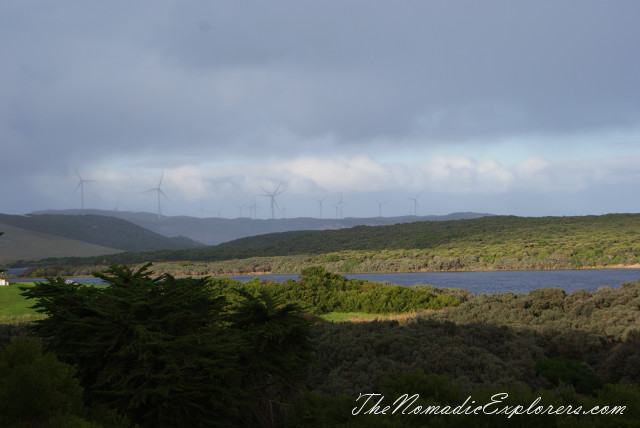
(527, 108)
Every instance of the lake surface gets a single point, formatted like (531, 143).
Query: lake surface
(520, 282)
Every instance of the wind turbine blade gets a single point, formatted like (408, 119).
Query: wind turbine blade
(162, 193)
(160, 182)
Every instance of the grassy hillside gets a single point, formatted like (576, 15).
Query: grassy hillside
(20, 244)
(116, 234)
(216, 230)
(497, 242)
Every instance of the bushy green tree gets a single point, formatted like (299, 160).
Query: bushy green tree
(569, 372)
(36, 389)
(171, 352)
(276, 351)
(155, 349)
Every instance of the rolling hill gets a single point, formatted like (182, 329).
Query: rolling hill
(20, 244)
(33, 237)
(493, 242)
(215, 230)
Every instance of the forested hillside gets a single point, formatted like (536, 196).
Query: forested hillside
(496, 242)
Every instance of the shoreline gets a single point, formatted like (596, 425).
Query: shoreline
(619, 266)
(634, 266)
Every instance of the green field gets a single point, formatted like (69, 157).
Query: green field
(337, 317)
(347, 316)
(14, 307)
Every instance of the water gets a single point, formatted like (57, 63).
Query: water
(520, 282)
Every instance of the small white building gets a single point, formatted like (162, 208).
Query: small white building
(4, 282)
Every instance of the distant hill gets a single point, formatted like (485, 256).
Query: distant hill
(214, 230)
(20, 244)
(574, 241)
(50, 235)
(462, 235)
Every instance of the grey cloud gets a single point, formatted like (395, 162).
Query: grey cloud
(160, 74)
(160, 83)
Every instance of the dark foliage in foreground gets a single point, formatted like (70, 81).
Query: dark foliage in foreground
(169, 352)
(173, 352)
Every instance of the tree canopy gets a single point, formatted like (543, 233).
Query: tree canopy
(166, 351)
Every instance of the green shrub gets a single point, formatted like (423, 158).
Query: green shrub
(37, 389)
(569, 372)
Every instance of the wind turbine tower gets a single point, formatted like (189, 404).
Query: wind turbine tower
(273, 195)
(201, 211)
(253, 207)
(320, 201)
(81, 186)
(160, 192)
(240, 208)
(380, 204)
(415, 204)
(340, 204)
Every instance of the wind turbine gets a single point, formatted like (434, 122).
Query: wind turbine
(415, 204)
(284, 210)
(253, 207)
(340, 204)
(273, 195)
(201, 211)
(380, 204)
(319, 201)
(160, 192)
(81, 186)
(240, 207)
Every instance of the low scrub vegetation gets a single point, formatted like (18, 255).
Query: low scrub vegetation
(161, 351)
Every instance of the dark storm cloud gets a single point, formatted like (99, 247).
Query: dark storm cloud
(448, 69)
(160, 84)
(203, 75)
